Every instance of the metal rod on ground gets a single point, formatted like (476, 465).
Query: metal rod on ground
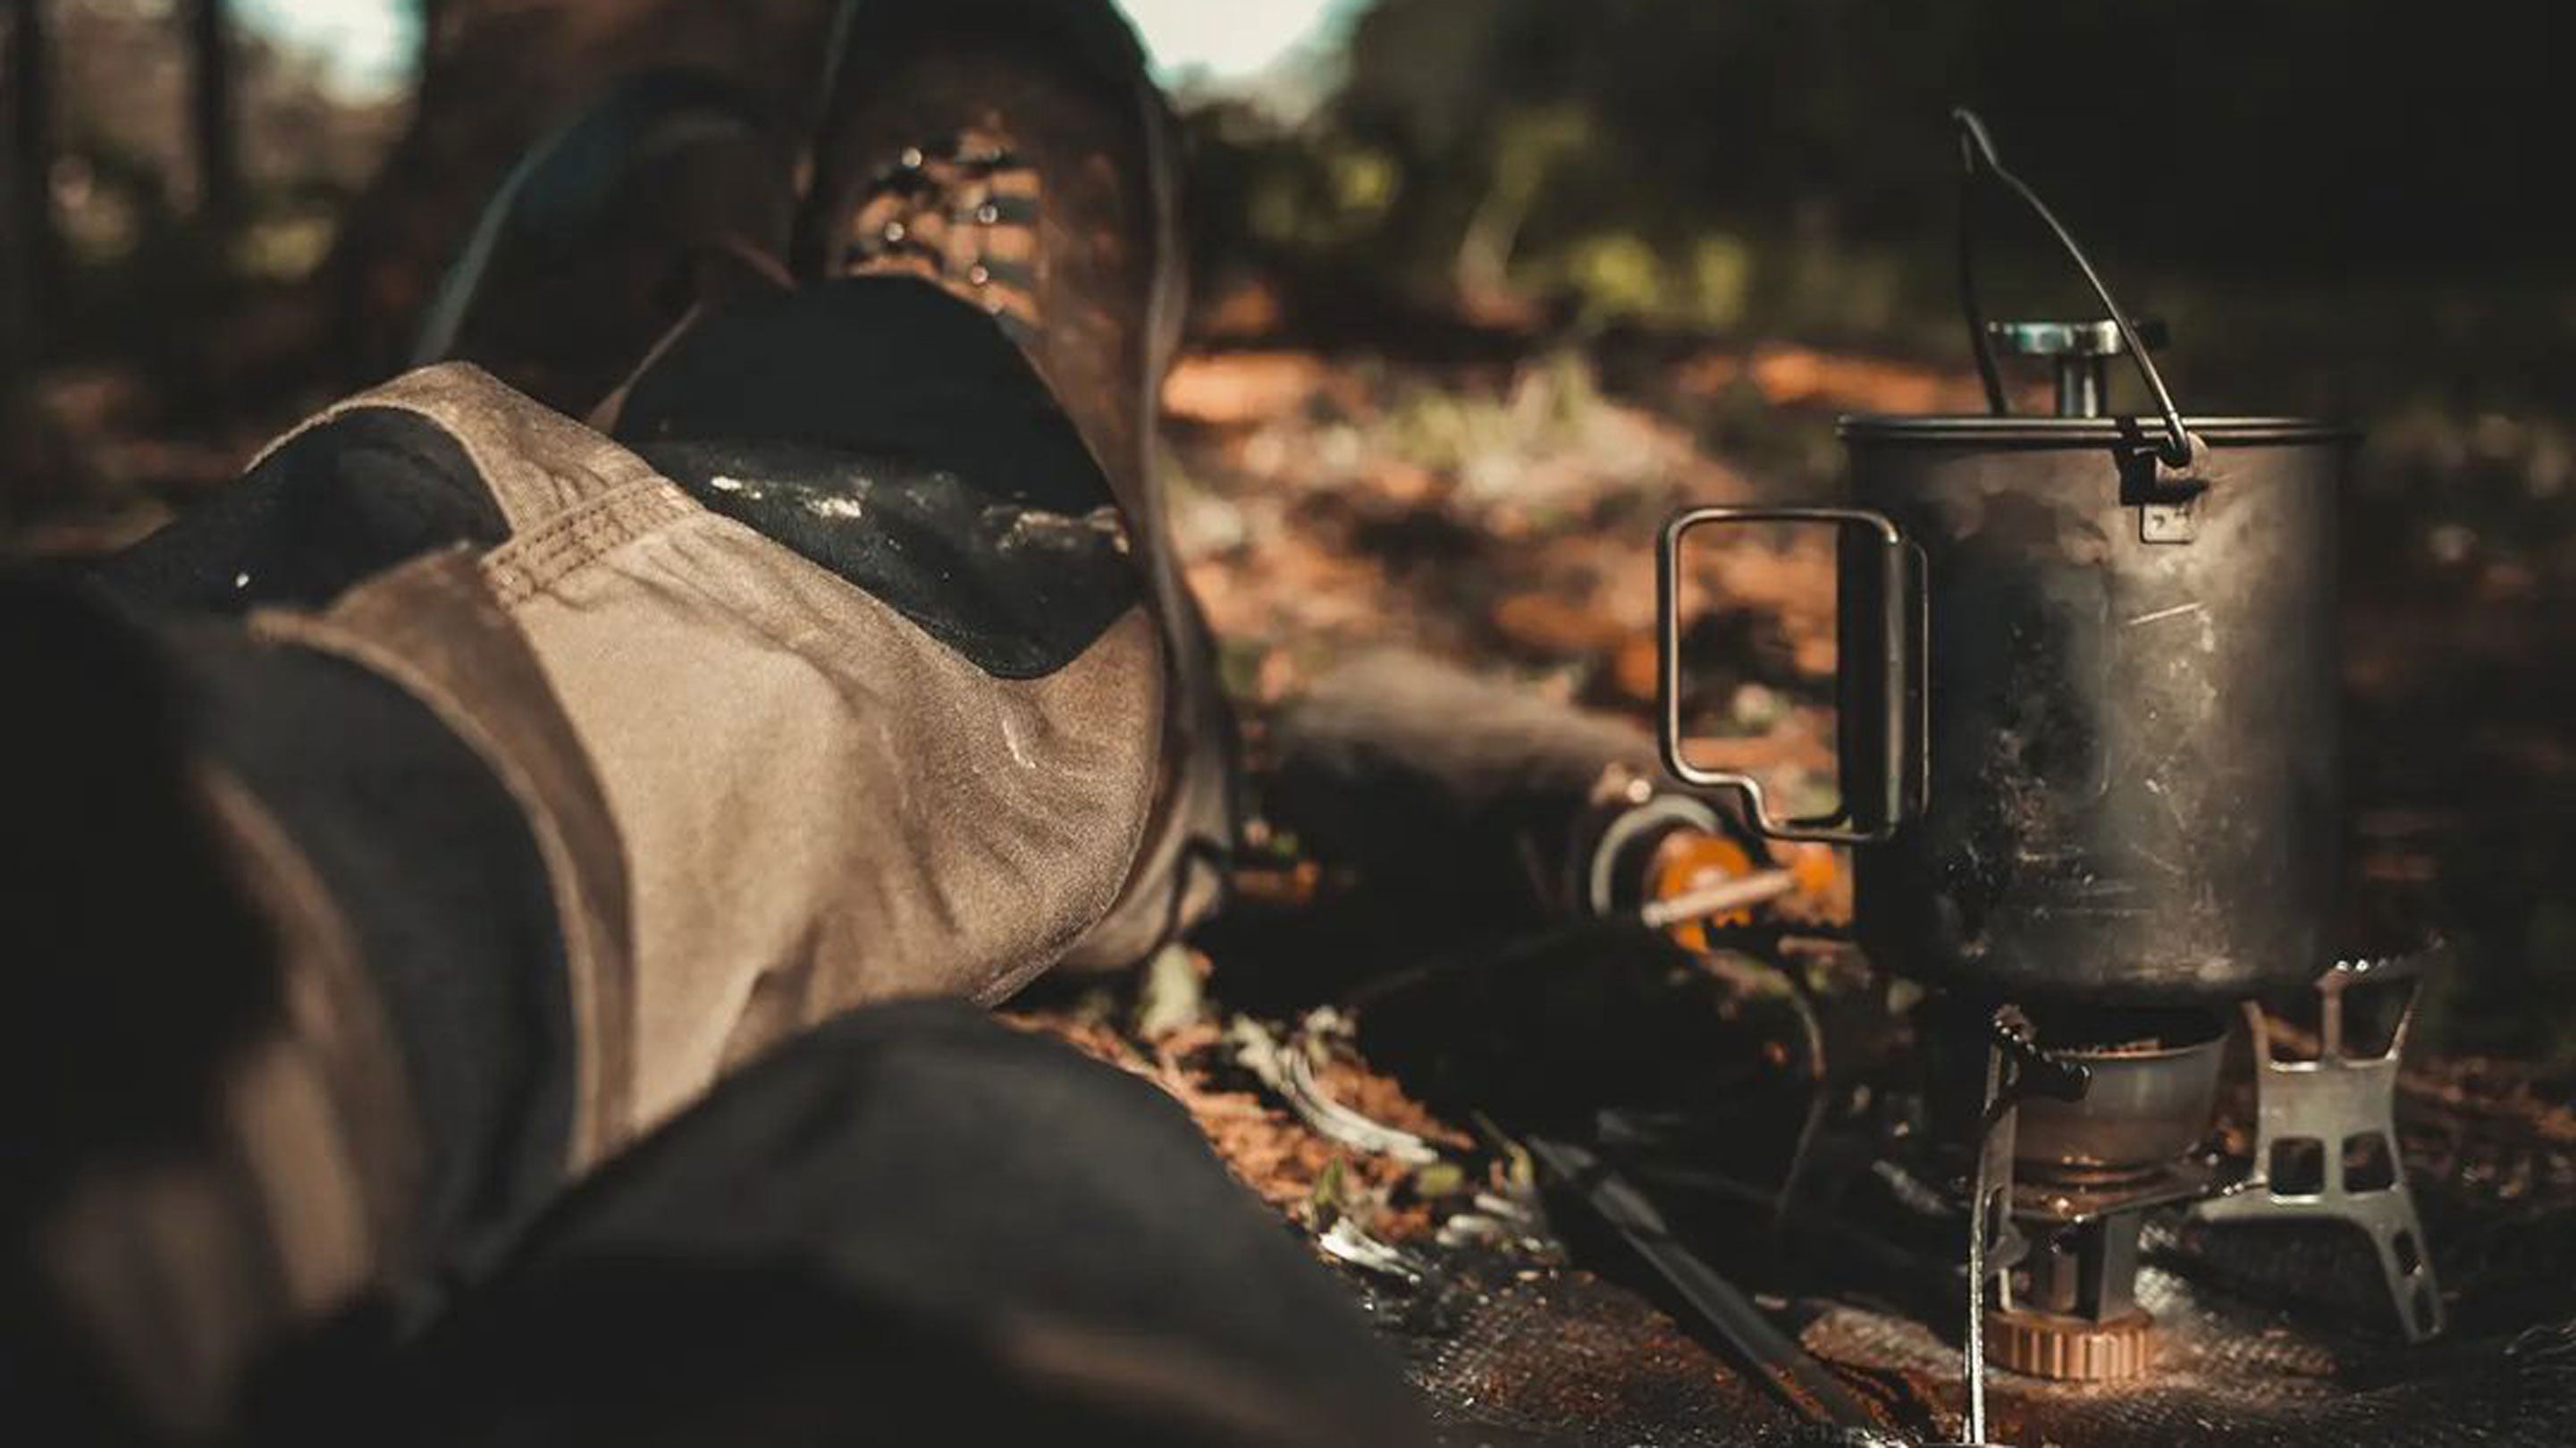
(1785, 1368)
(1723, 898)
(1979, 1226)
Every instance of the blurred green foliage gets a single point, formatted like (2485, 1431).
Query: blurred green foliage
(1787, 163)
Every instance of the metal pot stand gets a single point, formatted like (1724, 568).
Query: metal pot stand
(2338, 1114)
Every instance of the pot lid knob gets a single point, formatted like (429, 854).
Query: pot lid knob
(2082, 352)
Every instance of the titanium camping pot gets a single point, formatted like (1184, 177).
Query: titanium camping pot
(2086, 682)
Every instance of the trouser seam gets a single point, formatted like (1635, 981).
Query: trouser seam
(536, 561)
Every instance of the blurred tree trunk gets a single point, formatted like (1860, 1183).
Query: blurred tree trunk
(211, 128)
(30, 246)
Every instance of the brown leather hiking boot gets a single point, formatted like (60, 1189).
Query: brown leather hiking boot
(669, 189)
(1017, 154)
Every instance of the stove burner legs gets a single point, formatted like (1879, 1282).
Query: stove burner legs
(1989, 1196)
(2077, 1320)
(2089, 1270)
(2325, 1140)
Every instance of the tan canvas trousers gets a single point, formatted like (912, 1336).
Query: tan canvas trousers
(761, 795)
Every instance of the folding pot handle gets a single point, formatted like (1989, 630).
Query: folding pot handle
(1880, 695)
(2181, 449)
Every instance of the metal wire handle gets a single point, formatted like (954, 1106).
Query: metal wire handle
(1976, 154)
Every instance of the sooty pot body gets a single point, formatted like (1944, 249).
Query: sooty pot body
(2130, 756)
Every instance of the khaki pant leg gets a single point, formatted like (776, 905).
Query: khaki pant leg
(764, 795)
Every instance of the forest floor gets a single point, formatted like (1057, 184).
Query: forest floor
(1499, 516)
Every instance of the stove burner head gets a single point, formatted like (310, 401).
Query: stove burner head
(2153, 1089)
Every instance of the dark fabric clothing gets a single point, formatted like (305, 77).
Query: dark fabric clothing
(1021, 591)
(431, 863)
(911, 1224)
(888, 432)
(370, 489)
(886, 366)
(111, 881)
(422, 849)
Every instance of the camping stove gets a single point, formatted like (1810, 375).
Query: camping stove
(2082, 1166)
(2087, 713)
(2090, 1121)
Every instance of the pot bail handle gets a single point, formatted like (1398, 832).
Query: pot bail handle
(2180, 450)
